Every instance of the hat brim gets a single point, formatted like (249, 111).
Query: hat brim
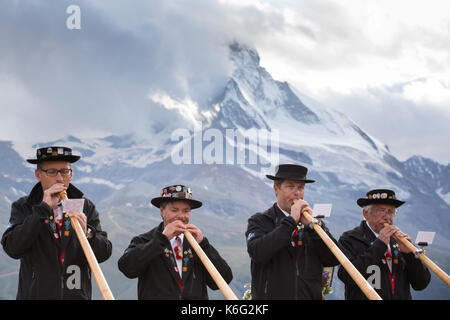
(158, 200)
(362, 202)
(70, 159)
(289, 178)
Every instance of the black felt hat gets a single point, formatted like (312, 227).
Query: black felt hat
(380, 196)
(290, 172)
(176, 192)
(54, 154)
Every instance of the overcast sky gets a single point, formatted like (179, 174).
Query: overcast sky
(386, 64)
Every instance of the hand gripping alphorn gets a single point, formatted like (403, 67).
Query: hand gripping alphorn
(421, 255)
(218, 279)
(360, 281)
(95, 268)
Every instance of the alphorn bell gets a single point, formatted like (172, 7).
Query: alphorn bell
(93, 264)
(421, 255)
(360, 281)
(215, 275)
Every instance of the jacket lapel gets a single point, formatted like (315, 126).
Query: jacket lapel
(169, 257)
(367, 235)
(51, 223)
(170, 260)
(395, 255)
(277, 216)
(66, 231)
(188, 259)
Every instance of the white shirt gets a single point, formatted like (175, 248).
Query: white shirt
(173, 243)
(58, 216)
(389, 261)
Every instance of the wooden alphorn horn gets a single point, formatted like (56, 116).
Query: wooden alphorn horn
(218, 279)
(421, 255)
(360, 281)
(93, 264)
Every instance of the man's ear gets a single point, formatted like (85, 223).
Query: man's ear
(365, 214)
(37, 174)
(276, 189)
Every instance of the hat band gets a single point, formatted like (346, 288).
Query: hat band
(178, 195)
(382, 195)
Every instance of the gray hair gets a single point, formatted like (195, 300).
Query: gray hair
(368, 209)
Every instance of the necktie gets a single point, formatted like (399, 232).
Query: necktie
(57, 214)
(388, 253)
(388, 256)
(178, 248)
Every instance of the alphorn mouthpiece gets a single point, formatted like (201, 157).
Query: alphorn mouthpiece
(63, 195)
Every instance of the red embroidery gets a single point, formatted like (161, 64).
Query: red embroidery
(61, 259)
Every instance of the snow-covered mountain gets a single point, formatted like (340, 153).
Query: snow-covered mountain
(122, 173)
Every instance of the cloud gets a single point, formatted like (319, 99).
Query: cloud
(98, 78)
(355, 56)
(186, 108)
(431, 92)
(406, 127)
(370, 60)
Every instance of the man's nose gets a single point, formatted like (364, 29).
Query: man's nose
(185, 217)
(59, 177)
(388, 218)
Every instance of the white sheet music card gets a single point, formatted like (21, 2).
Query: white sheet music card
(322, 209)
(73, 205)
(425, 236)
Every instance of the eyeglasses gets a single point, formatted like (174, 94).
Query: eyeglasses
(53, 172)
(382, 212)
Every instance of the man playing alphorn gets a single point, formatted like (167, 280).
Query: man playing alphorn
(389, 266)
(287, 256)
(164, 261)
(52, 263)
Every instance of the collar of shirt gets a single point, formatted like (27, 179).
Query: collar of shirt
(285, 213)
(58, 214)
(173, 242)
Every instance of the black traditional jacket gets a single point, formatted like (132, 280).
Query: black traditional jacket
(150, 258)
(367, 253)
(52, 266)
(284, 266)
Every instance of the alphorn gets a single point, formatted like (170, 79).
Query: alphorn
(93, 264)
(215, 275)
(421, 255)
(360, 281)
